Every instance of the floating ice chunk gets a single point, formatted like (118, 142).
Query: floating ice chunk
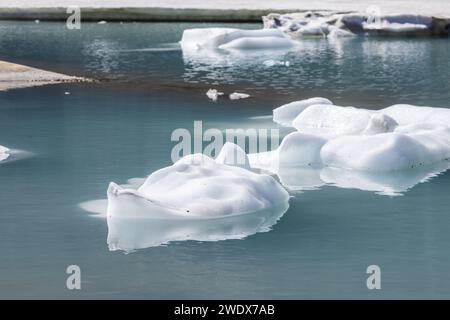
(285, 114)
(272, 63)
(233, 155)
(4, 153)
(213, 94)
(133, 234)
(389, 151)
(229, 38)
(396, 138)
(196, 186)
(102, 22)
(237, 96)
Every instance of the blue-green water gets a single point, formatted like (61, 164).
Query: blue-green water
(120, 128)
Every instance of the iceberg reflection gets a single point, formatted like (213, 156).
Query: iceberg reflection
(132, 234)
(394, 183)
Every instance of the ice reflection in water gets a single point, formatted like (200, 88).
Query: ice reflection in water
(394, 183)
(132, 234)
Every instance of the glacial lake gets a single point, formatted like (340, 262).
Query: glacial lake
(73, 139)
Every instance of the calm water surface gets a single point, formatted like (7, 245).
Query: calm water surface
(120, 128)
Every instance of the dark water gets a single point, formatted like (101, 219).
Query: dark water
(120, 128)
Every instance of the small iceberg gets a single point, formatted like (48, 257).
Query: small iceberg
(4, 153)
(197, 187)
(285, 114)
(387, 151)
(238, 95)
(197, 198)
(195, 40)
(213, 94)
(397, 138)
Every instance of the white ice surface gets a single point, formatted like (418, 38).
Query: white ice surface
(238, 95)
(285, 114)
(233, 155)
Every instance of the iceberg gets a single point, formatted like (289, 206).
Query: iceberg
(397, 138)
(213, 94)
(238, 95)
(195, 40)
(4, 153)
(196, 187)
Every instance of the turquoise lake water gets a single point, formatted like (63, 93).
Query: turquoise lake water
(74, 144)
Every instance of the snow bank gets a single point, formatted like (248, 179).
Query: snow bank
(195, 187)
(238, 95)
(4, 153)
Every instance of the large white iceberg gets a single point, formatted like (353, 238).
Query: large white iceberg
(387, 151)
(396, 138)
(4, 153)
(196, 187)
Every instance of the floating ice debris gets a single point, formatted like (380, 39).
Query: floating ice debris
(271, 63)
(36, 21)
(4, 153)
(396, 138)
(237, 96)
(285, 114)
(133, 234)
(213, 94)
(196, 187)
(67, 93)
(102, 22)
